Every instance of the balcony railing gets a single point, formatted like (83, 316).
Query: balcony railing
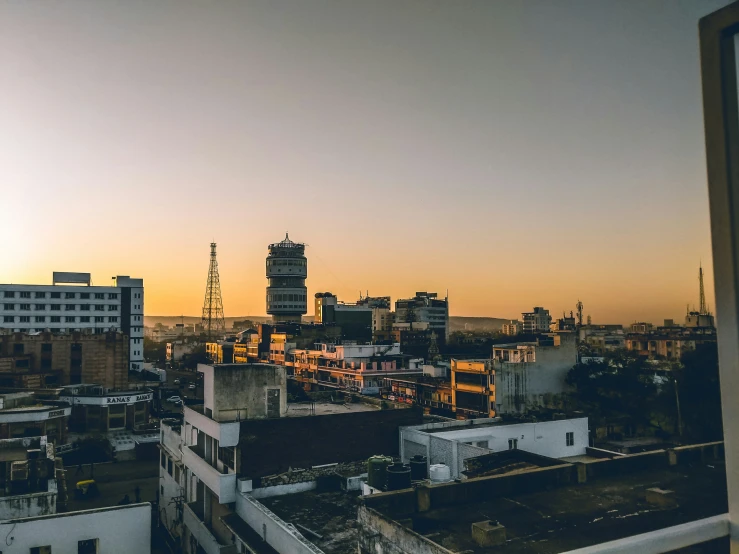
(193, 520)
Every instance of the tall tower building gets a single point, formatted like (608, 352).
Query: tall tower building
(287, 268)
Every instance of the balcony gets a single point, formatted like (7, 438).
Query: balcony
(223, 485)
(226, 433)
(193, 520)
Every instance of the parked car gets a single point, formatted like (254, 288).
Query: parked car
(176, 381)
(192, 387)
(174, 399)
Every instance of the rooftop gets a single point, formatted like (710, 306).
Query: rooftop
(302, 409)
(327, 519)
(548, 510)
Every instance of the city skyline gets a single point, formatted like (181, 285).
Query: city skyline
(410, 153)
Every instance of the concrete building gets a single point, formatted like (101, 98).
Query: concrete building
(33, 501)
(512, 328)
(23, 414)
(355, 320)
(532, 375)
(473, 388)
(425, 307)
(48, 359)
(669, 342)
(382, 316)
(536, 321)
(97, 410)
(71, 303)
(523, 502)
(216, 463)
(287, 269)
(450, 443)
(603, 338)
(353, 367)
(176, 350)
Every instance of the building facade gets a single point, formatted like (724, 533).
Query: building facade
(669, 342)
(287, 269)
(355, 320)
(473, 388)
(512, 328)
(71, 303)
(49, 359)
(536, 321)
(382, 316)
(425, 307)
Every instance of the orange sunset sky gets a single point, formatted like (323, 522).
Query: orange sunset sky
(514, 153)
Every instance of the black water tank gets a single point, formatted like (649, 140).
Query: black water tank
(419, 470)
(398, 477)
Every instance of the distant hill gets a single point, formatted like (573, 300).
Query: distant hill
(456, 323)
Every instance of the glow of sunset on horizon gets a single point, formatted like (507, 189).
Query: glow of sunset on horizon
(516, 154)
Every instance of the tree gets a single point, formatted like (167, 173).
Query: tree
(700, 393)
(197, 356)
(621, 385)
(155, 351)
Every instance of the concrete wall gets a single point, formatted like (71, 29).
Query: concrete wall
(378, 535)
(281, 536)
(119, 530)
(28, 505)
(239, 391)
(520, 387)
(273, 445)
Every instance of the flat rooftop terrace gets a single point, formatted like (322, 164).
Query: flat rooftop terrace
(331, 514)
(576, 516)
(305, 409)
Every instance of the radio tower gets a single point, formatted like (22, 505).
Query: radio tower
(213, 321)
(703, 307)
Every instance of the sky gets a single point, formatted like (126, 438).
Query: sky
(516, 154)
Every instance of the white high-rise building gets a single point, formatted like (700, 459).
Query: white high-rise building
(72, 303)
(536, 321)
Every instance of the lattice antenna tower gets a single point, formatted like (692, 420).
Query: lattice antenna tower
(703, 307)
(213, 321)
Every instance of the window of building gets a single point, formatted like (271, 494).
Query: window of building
(68, 295)
(112, 296)
(177, 473)
(9, 294)
(112, 307)
(40, 306)
(84, 295)
(69, 307)
(56, 295)
(85, 307)
(25, 319)
(99, 319)
(113, 319)
(87, 546)
(99, 296)
(40, 295)
(70, 319)
(25, 306)
(169, 466)
(164, 461)
(512, 444)
(18, 348)
(117, 416)
(8, 319)
(41, 549)
(99, 307)
(482, 444)
(55, 307)
(40, 319)
(570, 438)
(25, 294)
(85, 319)
(10, 306)
(56, 319)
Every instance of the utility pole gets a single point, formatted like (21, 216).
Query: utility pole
(679, 414)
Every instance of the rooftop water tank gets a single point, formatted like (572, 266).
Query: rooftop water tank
(376, 471)
(419, 469)
(439, 473)
(398, 477)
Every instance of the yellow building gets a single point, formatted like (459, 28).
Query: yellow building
(473, 388)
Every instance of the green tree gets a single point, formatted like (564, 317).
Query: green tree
(700, 393)
(197, 356)
(155, 351)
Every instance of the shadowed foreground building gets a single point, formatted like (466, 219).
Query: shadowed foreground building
(217, 462)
